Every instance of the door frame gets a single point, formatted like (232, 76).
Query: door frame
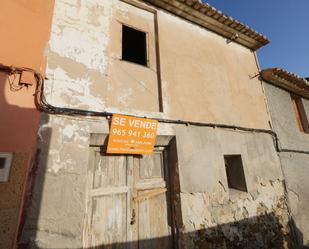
(99, 141)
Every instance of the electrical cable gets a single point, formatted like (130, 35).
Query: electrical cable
(43, 106)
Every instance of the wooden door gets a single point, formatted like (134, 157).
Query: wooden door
(151, 202)
(108, 201)
(128, 202)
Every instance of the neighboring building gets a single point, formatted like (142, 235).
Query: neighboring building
(24, 29)
(215, 178)
(288, 98)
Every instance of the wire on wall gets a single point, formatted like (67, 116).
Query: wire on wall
(43, 106)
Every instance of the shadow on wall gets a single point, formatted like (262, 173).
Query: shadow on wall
(19, 116)
(36, 183)
(18, 132)
(31, 211)
(259, 232)
(299, 236)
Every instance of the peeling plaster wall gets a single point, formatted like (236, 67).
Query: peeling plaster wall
(76, 54)
(55, 218)
(236, 222)
(204, 153)
(295, 165)
(84, 58)
(212, 215)
(57, 213)
(84, 71)
(215, 216)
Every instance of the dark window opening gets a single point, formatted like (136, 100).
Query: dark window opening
(2, 162)
(300, 114)
(235, 172)
(134, 46)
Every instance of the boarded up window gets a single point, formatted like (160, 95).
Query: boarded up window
(235, 172)
(300, 114)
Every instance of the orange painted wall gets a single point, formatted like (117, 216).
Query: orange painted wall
(24, 30)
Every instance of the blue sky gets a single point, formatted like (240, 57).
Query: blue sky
(284, 22)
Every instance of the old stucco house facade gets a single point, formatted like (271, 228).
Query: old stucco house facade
(288, 95)
(214, 179)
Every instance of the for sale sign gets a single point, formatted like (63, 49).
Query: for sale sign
(130, 135)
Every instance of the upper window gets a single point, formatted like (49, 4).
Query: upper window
(134, 46)
(300, 114)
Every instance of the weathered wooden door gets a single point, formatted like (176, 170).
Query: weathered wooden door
(128, 202)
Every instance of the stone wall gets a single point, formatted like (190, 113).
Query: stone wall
(215, 216)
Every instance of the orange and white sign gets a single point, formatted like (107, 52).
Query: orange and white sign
(130, 135)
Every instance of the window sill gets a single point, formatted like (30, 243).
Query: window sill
(237, 194)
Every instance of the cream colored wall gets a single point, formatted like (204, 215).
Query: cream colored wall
(131, 85)
(208, 79)
(204, 78)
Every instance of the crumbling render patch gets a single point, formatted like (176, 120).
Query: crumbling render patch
(237, 222)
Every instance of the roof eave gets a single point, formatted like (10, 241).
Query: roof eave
(286, 80)
(214, 20)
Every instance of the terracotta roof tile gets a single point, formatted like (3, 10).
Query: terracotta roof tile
(207, 16)
(287, 80)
